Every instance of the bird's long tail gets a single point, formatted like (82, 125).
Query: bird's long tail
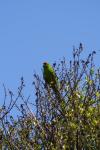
(60, 100)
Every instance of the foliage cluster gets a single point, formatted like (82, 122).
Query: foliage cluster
(66, 122)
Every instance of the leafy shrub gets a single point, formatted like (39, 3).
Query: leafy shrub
(69, 121)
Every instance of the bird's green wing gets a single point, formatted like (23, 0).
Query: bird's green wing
(49, 74)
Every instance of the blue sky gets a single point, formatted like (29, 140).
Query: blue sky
(34, 31)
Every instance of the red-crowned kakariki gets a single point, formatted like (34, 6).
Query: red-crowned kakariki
(50, 76)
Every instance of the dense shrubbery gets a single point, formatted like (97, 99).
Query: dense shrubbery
(70, 121)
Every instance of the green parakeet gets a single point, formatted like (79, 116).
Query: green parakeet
(49, 75)
(51, 79)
